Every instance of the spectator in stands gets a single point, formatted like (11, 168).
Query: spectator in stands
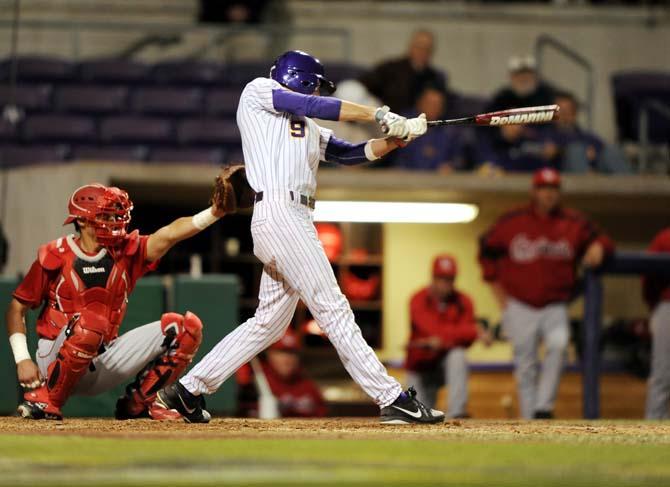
(525, 88)
(441, 148)
(443, 327)
(579, 150)
(232, 11)
(656, 290)
(295, 395)
(399, 82)
(514, 148)
(530, 256)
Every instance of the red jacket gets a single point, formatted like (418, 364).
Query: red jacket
(657, 288)
(298, 396)
(66, 280)
(534, 257)
(452, 321)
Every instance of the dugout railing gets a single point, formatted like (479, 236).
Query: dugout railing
(622, 263)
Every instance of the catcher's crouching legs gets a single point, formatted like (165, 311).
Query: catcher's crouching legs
(84, 336)
(183, 335)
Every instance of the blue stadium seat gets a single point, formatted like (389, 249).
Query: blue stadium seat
(188, 72)
(109, 153)
(167, 101)
(17, 155)
(58, 128)
(140, 130)
(113, 71)
(8, 131)
(209, 155)
(31, 98)
(239, 74)
(39, 68)
(222, 101)
(208, 131)
(92, 99)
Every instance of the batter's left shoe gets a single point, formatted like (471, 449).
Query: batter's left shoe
(407, 409)
(177, 397)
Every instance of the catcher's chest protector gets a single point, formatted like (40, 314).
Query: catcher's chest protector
(98, 283)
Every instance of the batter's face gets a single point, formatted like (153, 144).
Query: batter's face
(421, 50)
(285, 364)
(443, 287)
(546, 198)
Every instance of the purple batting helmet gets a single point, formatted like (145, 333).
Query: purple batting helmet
(301, 72)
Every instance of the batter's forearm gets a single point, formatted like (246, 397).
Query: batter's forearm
(381, 147)
(353, 112)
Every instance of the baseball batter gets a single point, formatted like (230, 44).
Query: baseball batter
(83, 282)
(530, 256)
(282, 149)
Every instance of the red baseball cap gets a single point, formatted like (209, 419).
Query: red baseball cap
(288, 343)
(445, 266)
(547, 176)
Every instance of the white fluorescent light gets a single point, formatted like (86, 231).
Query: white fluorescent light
(394, 212)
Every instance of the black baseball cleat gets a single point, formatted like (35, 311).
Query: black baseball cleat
(409, 410)
(37, 410)
(543, 415)
(192, 408)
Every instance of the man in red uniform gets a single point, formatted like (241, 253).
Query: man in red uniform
(443, 327)
(83, 283)
(295, 394)
(529, 256)
(656, 290)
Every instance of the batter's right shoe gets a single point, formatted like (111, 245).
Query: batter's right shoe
(407, 409)
(177, 397)
(36, 405)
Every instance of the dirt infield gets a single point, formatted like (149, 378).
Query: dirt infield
(350, 428)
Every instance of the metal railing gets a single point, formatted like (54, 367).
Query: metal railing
(545, 42)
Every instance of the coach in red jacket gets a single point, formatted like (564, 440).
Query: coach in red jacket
(656, 291)
(530, 258)
(443, 327)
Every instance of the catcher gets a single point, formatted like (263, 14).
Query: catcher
(83, 283)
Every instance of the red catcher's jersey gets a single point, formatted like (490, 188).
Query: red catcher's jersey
(453, 321)
(535, 257)
(656, 288)
(67, 280)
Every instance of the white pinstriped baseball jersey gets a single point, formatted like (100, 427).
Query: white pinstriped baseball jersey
(281, 151)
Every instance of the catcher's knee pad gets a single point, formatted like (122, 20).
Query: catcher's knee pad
(85, 334)
(183, 335)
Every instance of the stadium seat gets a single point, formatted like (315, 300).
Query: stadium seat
(128, 129)
(631, 90)
(91, 99)
(235, 156)
(58, 128)
(109, 153)
(113, 71)
(16, 155)
(210, 156)
(188, 72)
(7, 130)
(337, 72)
(39, 68)
(31, 98)
(222, 101)
(167, 101)
(208, 131)
(239, 74)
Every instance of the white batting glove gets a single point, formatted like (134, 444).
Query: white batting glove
(416, 127)
(392, 124)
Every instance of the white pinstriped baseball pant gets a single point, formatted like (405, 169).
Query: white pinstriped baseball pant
(295, 267)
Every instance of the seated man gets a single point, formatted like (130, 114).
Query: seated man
(82, 283)
(441, 148)
(443, 327)
(514, 148)
(579, 150)
(293, 394)
(525, 88)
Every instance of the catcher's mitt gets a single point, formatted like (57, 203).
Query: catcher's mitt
(232, 190)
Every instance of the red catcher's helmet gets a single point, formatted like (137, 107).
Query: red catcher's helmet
(106, 208)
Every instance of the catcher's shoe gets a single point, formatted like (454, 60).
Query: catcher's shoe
(408, 410)
(126, 408)
(176, 396)
(36, 405)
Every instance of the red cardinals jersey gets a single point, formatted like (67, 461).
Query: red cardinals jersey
(535, 257)
(66, 280)
(453, 321)
(298, 396)
(657, 288)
